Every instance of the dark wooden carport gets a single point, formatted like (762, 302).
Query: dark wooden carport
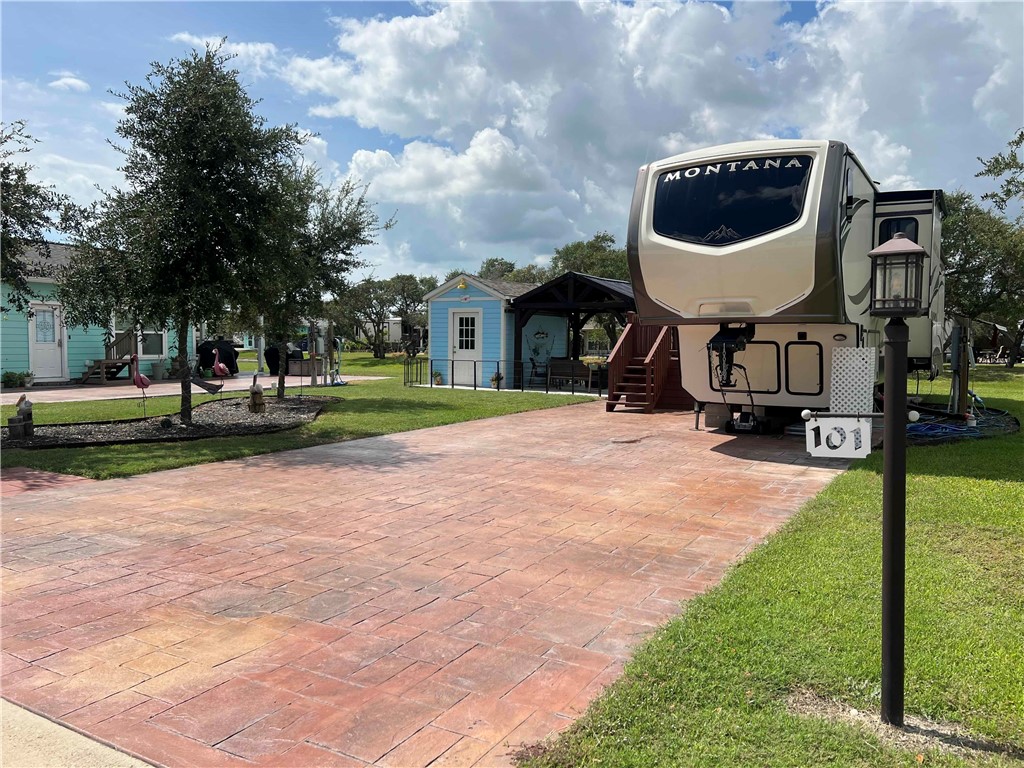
(576, 296)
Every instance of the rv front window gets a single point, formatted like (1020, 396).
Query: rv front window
(727, 202)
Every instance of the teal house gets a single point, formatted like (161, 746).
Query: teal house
(55, 353)
(472, 327)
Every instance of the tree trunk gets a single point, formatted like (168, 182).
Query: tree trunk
(282, 369)
(612, 329)
(185, 373)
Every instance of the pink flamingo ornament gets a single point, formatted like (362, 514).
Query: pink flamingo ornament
(219, 369)
(140, 380)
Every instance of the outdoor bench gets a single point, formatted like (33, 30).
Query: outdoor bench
(563, 371)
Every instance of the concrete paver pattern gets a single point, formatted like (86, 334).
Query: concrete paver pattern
(436, 597)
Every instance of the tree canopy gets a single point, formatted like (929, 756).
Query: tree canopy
(984, 254)
(597, 256)
(316, 243)
(211, 192)
(27, 211)
(366, 308)
(1007, 168)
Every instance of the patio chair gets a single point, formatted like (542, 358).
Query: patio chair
(538, 371)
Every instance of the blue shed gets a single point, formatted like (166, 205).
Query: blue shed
(472, 332)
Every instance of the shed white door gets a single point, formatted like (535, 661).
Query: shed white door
(466, 353)
(46, 339)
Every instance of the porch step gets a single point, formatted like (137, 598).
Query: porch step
(629, 400)
(104, 370)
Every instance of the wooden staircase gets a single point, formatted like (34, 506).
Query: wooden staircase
(116, 357)
(643, 369)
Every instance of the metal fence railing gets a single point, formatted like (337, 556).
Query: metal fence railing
(520, 375)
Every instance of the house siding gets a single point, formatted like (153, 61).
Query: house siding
(82, 343)
(13, 338)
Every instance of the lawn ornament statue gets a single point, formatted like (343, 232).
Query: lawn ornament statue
(256, 403)
(140, 380)
(21, 425)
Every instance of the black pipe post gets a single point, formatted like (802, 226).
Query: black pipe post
(894, 520)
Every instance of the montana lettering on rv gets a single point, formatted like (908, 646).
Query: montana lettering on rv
(750, 165)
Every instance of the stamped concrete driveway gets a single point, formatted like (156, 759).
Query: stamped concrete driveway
(432, 598)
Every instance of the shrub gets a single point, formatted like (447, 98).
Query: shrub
(12, 379)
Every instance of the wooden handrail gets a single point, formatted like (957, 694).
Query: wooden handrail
(123, 345)
(622, 354)
(657, 363)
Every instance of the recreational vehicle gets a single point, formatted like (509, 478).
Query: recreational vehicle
(758, 253)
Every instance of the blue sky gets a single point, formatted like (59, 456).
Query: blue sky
(509, 129)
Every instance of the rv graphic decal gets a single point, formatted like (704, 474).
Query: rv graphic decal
(844, 230)
(749, 165)
(722, 233)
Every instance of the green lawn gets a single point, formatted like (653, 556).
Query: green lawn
(352, 363)
(368, 408)
(803, 612)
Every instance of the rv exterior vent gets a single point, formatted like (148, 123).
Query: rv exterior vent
(718, 308)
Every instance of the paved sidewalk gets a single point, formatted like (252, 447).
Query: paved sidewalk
(29, 741)
(435, 597)
(17, 480)
(122, 389)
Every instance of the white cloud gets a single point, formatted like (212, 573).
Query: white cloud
(918, 90)
(68, 81)
(77, 178)
(315, 151)
(258, 58)
(112, 108)
(512, 128)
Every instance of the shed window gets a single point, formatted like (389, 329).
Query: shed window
(467, 332)
(889, 227)
(726, 202)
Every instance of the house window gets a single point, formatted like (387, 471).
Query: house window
(152, 341)
(908, 226)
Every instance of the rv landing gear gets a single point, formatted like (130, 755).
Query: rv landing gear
(745, 422)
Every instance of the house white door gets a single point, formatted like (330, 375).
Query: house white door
(46, 343)
(465, 337)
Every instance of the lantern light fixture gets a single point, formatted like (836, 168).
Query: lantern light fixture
(462, 284)
(897, 277)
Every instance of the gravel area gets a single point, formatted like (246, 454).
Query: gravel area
(217, 418)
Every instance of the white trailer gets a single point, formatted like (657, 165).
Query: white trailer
(758, 253)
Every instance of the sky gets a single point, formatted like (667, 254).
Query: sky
(509, 129)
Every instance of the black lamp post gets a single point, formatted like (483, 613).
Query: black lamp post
(897, 274)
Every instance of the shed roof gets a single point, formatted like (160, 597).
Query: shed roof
(499, 288)
(505, 288)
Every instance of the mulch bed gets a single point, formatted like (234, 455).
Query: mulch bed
(217, 418)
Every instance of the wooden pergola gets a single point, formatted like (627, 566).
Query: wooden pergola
(576, 296)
